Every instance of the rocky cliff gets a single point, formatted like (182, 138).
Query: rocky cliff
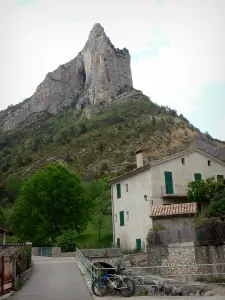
(97, 75)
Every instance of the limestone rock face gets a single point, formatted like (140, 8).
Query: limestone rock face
(98, 75)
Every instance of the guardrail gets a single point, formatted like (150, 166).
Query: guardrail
(158, 279)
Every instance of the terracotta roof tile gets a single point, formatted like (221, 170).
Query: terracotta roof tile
(174, 210)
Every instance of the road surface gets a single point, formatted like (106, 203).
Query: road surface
(54, 278)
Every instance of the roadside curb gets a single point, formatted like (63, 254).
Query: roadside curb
(86, 279)
(7, 296)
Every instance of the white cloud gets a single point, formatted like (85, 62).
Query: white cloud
(37, 38)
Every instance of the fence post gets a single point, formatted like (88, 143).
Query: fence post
(14, 272)
(2, 274)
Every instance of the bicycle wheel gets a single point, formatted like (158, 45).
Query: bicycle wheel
(100, 287)
(127, 287)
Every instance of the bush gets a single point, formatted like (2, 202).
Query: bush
(67, 241)
(210, 231)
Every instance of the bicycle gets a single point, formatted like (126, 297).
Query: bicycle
(115, 281)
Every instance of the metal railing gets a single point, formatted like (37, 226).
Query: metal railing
(146, 276)
(86, 266)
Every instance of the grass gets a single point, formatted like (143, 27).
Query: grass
(89, 238)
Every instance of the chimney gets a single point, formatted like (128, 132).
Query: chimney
(139, 158)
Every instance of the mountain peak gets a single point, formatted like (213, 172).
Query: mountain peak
(97, 29)
(99, 74)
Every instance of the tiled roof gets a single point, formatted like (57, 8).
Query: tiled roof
(174, 210)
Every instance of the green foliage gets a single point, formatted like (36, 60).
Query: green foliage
(98, 193)
(210, 226)
(217, 206)
(49, 203)
(12, 186)
(202, 191)
(89, 238)
(67, 241)
(157, 228)
(2, 218)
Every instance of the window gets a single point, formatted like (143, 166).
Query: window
(127, 215)
(118, 242)
(126, 187)
(220, 178)
(183, 161)
(118, 189)
(198, 176)
(138, 244)
(115, 217)
(169, 182)
(122, 218)
(209, 163)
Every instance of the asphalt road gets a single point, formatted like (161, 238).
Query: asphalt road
(54, 278)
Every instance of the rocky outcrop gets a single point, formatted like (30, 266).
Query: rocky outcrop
(98, 75)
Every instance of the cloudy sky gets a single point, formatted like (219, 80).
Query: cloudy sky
(177, 49)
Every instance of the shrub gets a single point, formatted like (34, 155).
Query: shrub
(67, 241)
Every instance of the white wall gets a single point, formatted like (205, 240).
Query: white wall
(150, 182)
(182, 174)
(139, 222)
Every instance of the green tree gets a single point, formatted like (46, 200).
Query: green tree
(67, 241)
(49, 203)
(217, 207)
(203, 191)
(98, 193)
(2, 218)
(12, 186)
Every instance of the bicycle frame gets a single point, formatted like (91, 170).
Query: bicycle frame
(114, 276)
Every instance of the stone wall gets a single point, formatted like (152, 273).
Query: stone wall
(68, 254)
(8, 249)
(56, 251)
(184, 259)
(137, 259)
(104, 252)
(167, 258)
(214, 255)
(21, 279)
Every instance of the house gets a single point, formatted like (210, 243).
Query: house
(173, 223)
(162, 182)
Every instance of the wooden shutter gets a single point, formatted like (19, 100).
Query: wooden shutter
(122, 218)
(198, 176)
(169, 182)
(138, 244)
(118, 188)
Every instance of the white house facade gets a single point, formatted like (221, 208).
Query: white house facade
(161, 182)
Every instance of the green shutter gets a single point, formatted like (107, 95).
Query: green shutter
(118, 242)
(138, 244)
(220, 178)
(118, 188)
(169, 182)
(198, 176)
(121, 218)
